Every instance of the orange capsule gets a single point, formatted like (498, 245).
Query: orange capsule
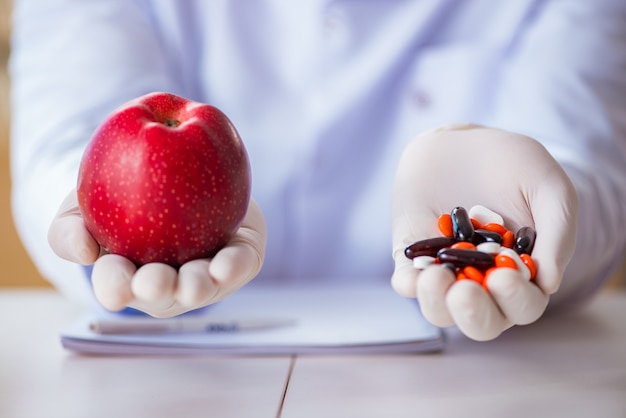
(530, 263)
(505, 261)
(461, 276)
(493, 227)
(474, 274)
(463, 245)
(445, 225)
(508, 239)
(476, 224)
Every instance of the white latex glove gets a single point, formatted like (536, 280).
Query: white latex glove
(155, 288)
(514, 176)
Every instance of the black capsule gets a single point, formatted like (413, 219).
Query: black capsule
(462, 258)
(461, 224)
(482, 235)
(428, 246)
(525, 240)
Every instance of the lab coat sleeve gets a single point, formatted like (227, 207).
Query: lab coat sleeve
(72, 63)
(564, 83)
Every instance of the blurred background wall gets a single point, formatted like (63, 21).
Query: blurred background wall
(16, 269)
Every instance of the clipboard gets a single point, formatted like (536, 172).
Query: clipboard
(327, 317)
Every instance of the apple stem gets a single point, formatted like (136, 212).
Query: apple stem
(172, 123)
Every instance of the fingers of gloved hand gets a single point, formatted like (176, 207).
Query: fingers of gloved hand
(410, 222)
(160, 291)
(155, 283)
(404, 278)
(242, 258)
(521, 301)
(196, 288)
(154, 289)
(234, 266)
(479, 314)
(68, 237)
(202, 282)
(111, 280)
(474, 312)
(433, 284)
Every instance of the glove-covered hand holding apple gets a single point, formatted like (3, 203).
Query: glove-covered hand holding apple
(515, 176)
(164, 195)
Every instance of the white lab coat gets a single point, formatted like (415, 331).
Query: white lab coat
(325, 95)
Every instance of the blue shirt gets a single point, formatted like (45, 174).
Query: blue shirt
(325, 95)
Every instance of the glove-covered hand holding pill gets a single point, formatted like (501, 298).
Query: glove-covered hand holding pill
(495, 264)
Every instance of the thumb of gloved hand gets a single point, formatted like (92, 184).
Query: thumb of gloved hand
(68, 236)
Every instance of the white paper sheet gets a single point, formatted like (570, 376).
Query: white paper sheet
(354, 317)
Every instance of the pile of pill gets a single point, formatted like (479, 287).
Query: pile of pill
(474, 244)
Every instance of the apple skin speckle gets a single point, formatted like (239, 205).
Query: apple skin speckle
(164, 179)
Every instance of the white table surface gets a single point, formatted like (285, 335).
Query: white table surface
(572, 365)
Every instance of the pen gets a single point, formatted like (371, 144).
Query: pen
(183, 324)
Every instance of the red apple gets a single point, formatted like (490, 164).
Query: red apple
(164, 179)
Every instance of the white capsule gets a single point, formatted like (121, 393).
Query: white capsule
(423, 261)
(485, 216)
(489, 247)
(520, 264)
